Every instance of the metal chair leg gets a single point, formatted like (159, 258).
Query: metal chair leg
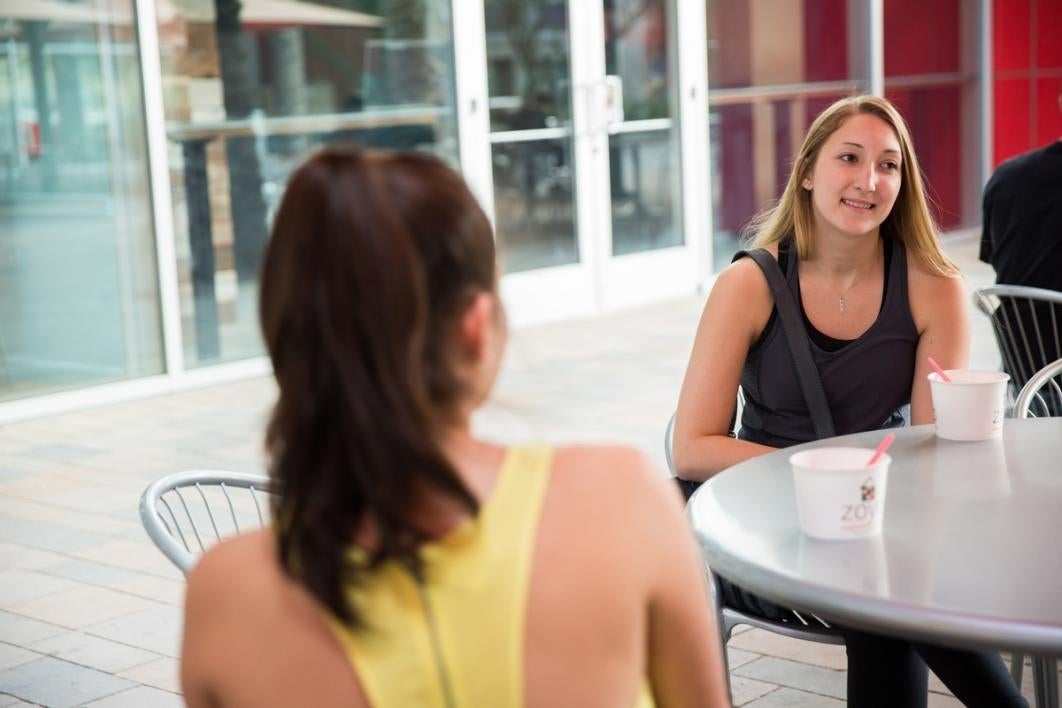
(1017, 668)
(1045, 682)
(725, 628)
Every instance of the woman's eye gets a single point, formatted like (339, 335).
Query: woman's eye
(891, 166)
(848, 157)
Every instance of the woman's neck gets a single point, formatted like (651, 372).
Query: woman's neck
(837, 256)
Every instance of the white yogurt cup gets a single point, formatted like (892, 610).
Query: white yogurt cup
(971, 405)
(838, 496)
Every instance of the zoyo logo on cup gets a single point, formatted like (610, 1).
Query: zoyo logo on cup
(856, 515)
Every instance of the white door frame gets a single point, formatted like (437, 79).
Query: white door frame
(599, 282)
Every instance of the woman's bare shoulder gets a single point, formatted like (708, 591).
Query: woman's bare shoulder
(242, 566)
(932, 293)
(617, 475)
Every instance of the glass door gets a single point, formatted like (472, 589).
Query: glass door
(585, 145)
(648, 252)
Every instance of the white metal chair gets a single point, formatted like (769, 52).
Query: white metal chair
(1040, 397)
(1026, 323)
(810, 628)
(187, 512)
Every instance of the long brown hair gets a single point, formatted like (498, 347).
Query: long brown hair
(909, 221)
(371, 259)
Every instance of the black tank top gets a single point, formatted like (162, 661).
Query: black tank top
(867, 380)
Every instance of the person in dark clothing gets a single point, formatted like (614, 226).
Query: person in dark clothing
(1021, 234)
(859, 250)
(1021, 237)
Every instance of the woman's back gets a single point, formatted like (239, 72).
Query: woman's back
(583, 602)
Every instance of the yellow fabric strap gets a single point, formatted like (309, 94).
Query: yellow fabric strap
(475, 595)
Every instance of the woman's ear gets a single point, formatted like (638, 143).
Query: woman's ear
(476, 323)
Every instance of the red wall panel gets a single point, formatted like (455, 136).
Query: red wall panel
(1049, 34)
(729, 27)
(1010, 34)
(1048, 112)
(825, 48)
(921, 37)
(1010, 99)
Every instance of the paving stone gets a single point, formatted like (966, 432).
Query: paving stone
(739, 657)
(18, 585)
(93, 652)
(60, 453)
(9, 701)
(783, 672)
(791, 698)
(14, 555)
(139, 697)
(82, 606)
(829, 656)
(745, 690)
(8, 474)
(23, 631)
(11, 656)
(47, 536)
(89, 572)
(56, 683)
(131, 555)
(164, 590)
(65, 515)
(157, 630)
(161, 673)
(940, 700)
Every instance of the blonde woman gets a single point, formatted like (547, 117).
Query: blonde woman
(854, 239)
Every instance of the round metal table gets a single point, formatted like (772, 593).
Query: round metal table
(970, 553)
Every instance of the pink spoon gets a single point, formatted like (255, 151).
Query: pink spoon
(882, 447)
(940, 371)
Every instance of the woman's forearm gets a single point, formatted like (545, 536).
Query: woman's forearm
(702, 457)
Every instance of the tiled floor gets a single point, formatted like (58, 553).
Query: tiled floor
(90, 612)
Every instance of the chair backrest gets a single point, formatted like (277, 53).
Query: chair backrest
(187, 512)
(1041, 396)
(1026, 323)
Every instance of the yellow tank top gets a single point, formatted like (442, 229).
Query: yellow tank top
(457, 640)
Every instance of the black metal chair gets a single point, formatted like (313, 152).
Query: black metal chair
(1026, 324)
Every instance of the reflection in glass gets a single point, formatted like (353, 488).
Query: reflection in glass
(78, 293)
(529, 91)
(645, 185)
(645, 165)
(527, 64)
(636, 50)
(248, 93)
(932, 56)
(800, 56)
(534, 203)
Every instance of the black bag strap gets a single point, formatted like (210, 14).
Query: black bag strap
(797, 338)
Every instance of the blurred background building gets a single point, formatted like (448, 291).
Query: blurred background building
(620, 147)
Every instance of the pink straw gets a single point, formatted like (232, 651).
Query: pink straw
(882, 447)
(940, 371)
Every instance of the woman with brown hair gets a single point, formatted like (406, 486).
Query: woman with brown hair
(858, 251)
(411, 563)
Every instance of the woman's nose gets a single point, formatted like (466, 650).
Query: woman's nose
(867, 181)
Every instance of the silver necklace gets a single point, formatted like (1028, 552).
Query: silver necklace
(840, 297)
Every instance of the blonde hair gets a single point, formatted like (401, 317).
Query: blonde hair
(909, 221)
